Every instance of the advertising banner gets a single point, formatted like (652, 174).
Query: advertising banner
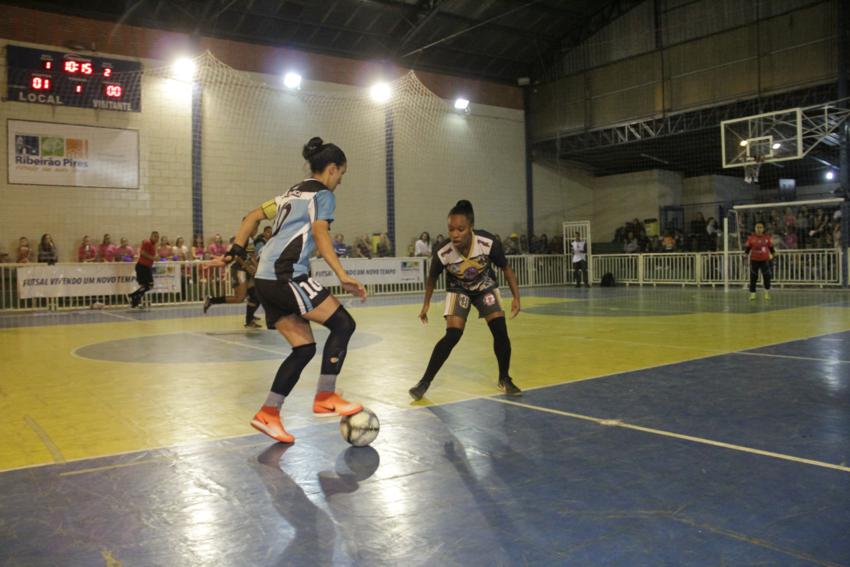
(372, 271)
(78, 280)
(46, 153)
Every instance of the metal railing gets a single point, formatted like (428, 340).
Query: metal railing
(820, 268)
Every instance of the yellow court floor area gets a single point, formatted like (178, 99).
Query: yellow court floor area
(79, 385)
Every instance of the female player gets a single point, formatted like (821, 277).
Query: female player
(760, 249)
(290, 297)
(242, 281)
(468, 258)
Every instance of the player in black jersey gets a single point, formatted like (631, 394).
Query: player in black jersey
(468, 259)
(242, 281)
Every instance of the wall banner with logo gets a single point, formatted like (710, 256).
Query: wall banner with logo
(47, 153)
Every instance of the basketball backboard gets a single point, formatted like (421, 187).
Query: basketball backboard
(769, 137)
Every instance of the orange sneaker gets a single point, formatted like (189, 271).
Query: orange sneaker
(267, 421)
(330, 402)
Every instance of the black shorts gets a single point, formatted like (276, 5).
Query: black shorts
(459, 304)
(144, 274)
(293, 297)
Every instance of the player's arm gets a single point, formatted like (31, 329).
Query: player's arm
(325, 246)
(430, 284)
(510, 276)
(497, 255)
(249, 225)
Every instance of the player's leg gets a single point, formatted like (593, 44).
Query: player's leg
(251, 307)
(577, 273)
(144, 277)
(239, 283)
(282, 314)
(456, 312)
(754, 276)
(323, 308)
(766, 275)
(489, 307)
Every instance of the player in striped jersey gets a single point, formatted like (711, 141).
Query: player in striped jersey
(301, 219)
(468, 259)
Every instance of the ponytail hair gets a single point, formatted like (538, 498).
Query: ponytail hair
(464, 207)
(321, 155)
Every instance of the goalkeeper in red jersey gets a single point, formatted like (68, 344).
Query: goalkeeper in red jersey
(760, 250)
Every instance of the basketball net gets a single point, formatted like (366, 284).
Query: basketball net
(751, 170)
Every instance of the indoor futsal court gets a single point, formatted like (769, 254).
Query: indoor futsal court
(196, 194)
(657, 426)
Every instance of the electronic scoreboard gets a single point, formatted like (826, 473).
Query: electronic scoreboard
(70, 79)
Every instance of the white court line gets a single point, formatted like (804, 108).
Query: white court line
(704, 441)
(198, 334)
(792, 357)
(120, 316)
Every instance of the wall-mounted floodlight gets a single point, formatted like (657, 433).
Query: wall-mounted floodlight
(292, 80)
(183, 69)
(380, 92)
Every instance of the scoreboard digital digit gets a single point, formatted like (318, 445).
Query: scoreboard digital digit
(69, 79)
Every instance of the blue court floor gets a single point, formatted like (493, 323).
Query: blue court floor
(733, 458)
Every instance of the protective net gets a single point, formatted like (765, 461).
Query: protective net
(236, 138)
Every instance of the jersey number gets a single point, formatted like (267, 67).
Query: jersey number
(287, 208)
(312, 287)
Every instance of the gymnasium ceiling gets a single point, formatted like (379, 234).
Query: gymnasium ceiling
(499, 40)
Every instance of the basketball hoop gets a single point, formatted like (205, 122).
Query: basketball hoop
(751, 169)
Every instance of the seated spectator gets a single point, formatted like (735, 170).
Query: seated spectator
(217, 247)
(47, 252)
(361, 249)
(198, 249)
(789, 241)
(339, 246)
(631, 246)
(22, 254)
(181, 251)
(165, 252)
(511, 245)
(423, 245)
(262, 239)
(668, 242)
(384, 248)
(440, 240)
(523, 244)
(125, 252)
(543, 244)
(106, 250)
(87, 252)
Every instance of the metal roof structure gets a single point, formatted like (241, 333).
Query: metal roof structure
(499, 40)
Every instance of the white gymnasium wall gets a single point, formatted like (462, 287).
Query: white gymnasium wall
(479, 156)
(560, 194)
(252, 151)
(163, 201)
(620, 198)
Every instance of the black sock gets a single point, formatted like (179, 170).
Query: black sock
(290, 371)
(441, 352)
(501, 345)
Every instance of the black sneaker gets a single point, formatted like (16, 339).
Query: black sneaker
(418, 391)
(508, 387)
(207, 304)
(134, 301)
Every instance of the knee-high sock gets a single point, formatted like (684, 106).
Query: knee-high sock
(252, 305)
(341, 325)
(501, 345)
(290, 371)
(441, 352)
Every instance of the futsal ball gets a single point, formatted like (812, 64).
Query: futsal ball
(361, 428)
